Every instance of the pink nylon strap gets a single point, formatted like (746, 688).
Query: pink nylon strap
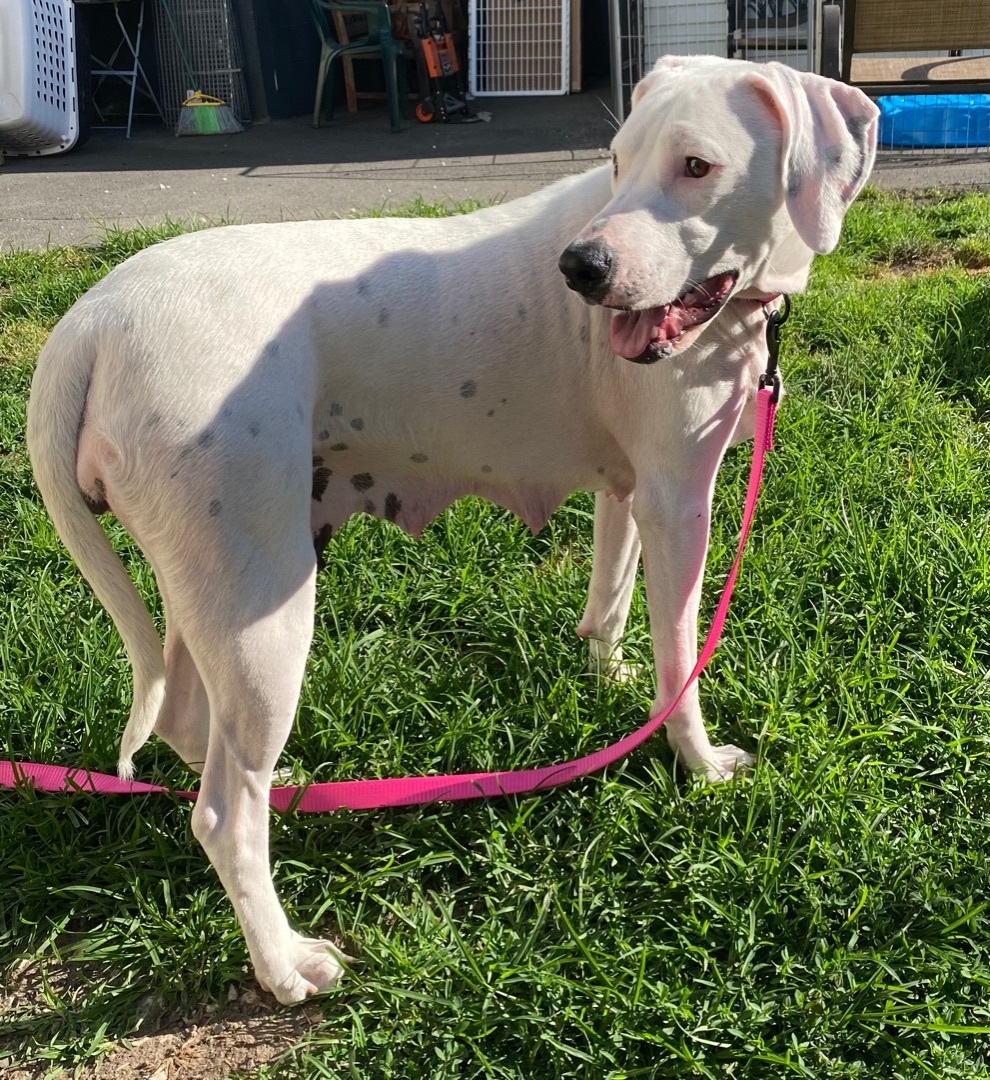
(407, 791)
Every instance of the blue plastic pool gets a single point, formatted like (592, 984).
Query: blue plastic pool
(935, 120)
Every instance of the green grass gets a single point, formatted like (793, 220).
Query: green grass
(825, 918)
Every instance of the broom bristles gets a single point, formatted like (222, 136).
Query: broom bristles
(202, 115)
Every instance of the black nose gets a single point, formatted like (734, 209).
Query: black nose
(589, 266)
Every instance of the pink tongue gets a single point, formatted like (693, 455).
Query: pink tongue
(631, 331)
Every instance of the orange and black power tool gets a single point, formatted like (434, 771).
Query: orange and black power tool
(447, 97)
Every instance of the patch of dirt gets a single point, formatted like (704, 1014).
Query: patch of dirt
(930, 262)
(252, 1031)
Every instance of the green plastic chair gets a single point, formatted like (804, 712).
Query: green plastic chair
(378, 42)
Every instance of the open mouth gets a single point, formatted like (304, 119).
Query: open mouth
(653, 333)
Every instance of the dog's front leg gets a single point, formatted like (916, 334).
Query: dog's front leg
(613, 577)
(673, 521)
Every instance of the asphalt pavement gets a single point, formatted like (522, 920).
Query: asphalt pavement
(287, 170)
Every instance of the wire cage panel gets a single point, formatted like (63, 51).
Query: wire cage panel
(39, 108)
(211, 40)
(519, 47)
(684, 28)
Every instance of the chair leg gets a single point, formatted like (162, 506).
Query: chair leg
(321, 80)
(392, 88)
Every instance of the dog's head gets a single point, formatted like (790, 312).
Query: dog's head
(727, 178)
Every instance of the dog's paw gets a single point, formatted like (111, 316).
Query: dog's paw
(725, 763)
(310, 967)
(606, 663)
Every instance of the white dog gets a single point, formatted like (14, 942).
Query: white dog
(234, 395)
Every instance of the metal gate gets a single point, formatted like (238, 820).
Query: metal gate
(519, 48)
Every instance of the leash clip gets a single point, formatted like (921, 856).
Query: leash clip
(775, 320)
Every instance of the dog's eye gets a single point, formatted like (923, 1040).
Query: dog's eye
(696, 168)
(615, 166)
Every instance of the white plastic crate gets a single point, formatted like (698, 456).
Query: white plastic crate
(39, 111)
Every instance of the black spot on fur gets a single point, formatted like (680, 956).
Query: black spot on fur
(601, 470)
(215, 507)
(320, 541)
(491, 412)
(486, 468)
(335, 409)
(393, 504)
(468, 389)
(321, 477)
(317, 460)
(504, 400)
(153, 419)
(254, 429)
(339, 446)
(522, 312)
(363, 481)
(363, 286)
(369, 506)
(584, 333)
(323, 435)
(227, 412)
(357, 423)
(205, 439)
(419, 458)
(383, 317)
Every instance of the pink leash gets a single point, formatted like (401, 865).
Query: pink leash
(408, 791)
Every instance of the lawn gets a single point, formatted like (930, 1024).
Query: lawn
(826, 917)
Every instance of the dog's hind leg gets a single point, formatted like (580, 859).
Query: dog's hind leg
(613, 577)
(252, 670)
(184, 720)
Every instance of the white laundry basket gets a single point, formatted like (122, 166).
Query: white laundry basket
(39, 110)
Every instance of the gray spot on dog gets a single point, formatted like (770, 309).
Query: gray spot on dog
(522, 312)
(363, 481)
(339, 446)
(254, 429)
(597, 226)
(215, 507)
(584, 333)
(299, 410)
(418, 458)
(323, 435)
(468, 389)
(369, 506)
(357, 423)
(393, 504)
(794, 183)
(456, 320)
(491, 412)
(600, 470)
(486, 468)
(383, 317)
(363, 286)
(205, 439)
(153, 419)
(504, 400)
(335, 409)
(272, 349)
(227, 412)
(320, 541)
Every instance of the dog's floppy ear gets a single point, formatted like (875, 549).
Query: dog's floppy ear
(829, 143)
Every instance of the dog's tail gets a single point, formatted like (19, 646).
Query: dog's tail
(54, 419)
